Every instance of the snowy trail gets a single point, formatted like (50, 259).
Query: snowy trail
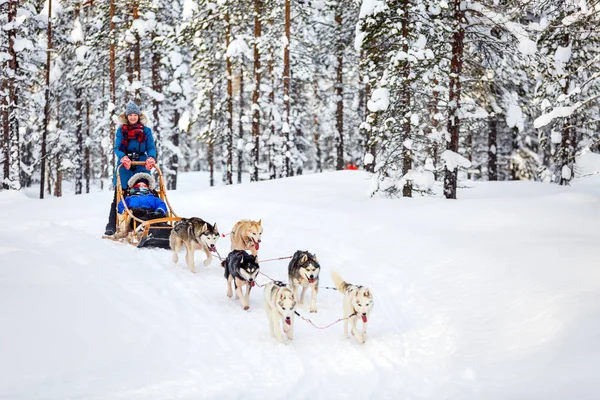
(495, 296)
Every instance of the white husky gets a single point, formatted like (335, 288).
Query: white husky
(280, 303)
(358, 302)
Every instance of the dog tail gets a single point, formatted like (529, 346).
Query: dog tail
(340, 284)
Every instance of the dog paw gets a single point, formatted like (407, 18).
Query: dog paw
(246, 307)
(206, 263)
(313, 310)
(229, 295)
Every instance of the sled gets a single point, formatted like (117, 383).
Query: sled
(144, 234)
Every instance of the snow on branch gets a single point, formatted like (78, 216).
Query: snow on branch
(454, 160)
(561, 112)
(380, 100)
(526, 45)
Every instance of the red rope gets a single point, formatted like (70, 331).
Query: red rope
(225, 234)
(327, 326)
(275, 259)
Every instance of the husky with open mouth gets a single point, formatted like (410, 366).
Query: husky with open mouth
(247, 235)
(280, 304)
(303, 270)
(241, 268)
(358, 303)
(195, 234)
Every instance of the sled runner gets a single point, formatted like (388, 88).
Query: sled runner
(137, 231)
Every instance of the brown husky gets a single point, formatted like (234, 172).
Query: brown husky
(246, 235)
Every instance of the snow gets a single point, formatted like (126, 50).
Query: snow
(57, 8)
(77, 32)
(561, 59)
(238, 48)
(421, 180)
(414, 119)
(184, 121)
(81, 52)
(22, 44)
(189, 7)
(175, 58)
(557, 112)
(454, 160)
(566, 172)
(494, 296)
(514, 113)
(371, 7)
(526, 45)
(368, 160)
(380, 100)
(556, 137)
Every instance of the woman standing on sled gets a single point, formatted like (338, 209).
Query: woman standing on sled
(133, 142)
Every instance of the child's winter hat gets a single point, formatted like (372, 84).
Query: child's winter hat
(132, 108)
(142, 177)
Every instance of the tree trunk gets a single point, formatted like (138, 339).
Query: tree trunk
(492, 148)
(57, 157)
(566, 153)
(514, 171)
(256, 92)
(157, 87)
(317, 128)
(339, 91)
(137, 65)
(271, 151)
(405, 101)
(456, 63)
(79, 136)
(229, 134)
(174, 161)
(113, 86)
(47, 103)
(87, 171)
(240, 151)
(211, 135)
(287, 89)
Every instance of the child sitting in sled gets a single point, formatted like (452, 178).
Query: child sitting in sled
(141, 200)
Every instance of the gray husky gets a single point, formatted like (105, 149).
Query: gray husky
(195, 234)
(241, 268)
(304, 271)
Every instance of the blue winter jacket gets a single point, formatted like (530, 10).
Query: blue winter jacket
(146, 149)
(143, 201)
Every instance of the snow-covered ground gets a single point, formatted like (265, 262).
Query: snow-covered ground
(493, 296)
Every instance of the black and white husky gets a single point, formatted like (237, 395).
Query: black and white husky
(304, 271)
(241, 268)
(358, 303)
(195, 234)
(280, 303)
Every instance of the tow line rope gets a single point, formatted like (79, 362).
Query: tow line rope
(326, 326)
(271, 279)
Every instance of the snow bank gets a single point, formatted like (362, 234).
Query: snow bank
(495, 296)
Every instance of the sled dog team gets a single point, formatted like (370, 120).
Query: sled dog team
(242, 268)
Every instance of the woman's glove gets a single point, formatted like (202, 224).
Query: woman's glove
(150, 163)
(126, 162)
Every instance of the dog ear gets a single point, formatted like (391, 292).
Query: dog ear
(215, 227)
(368, 292)
(204, 227)
(256, 259)
(315, 257)
(304, 258)
(259, 221)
